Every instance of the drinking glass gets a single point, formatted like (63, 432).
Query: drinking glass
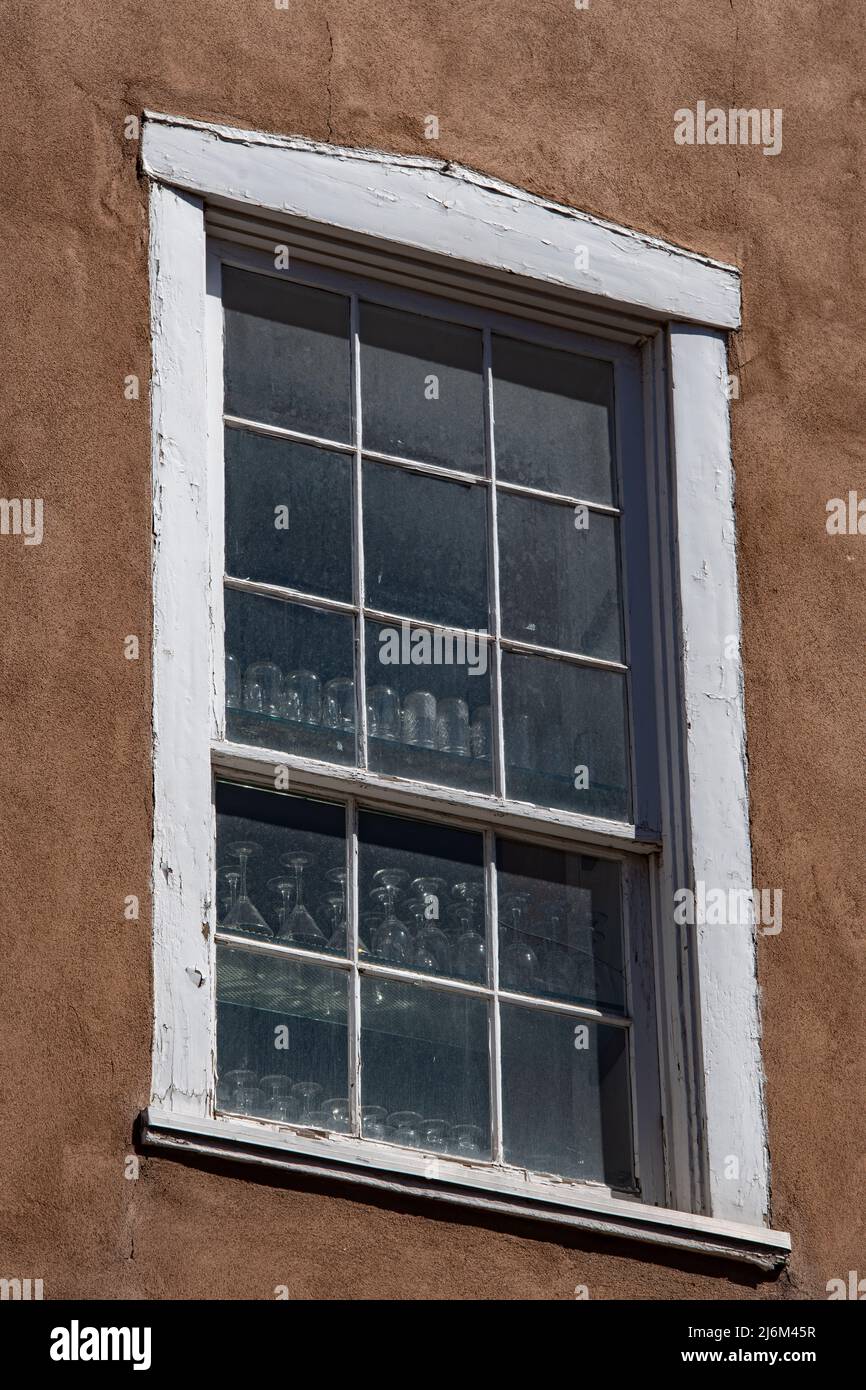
(302, 697)
(468, 1141)
(263, 683)
(234, 682)
(337, 1114)
(306, 1092)
(480, 735)
(373, 1118)
(433, 1135)
(405, 1124)
(393, 938)
(279, 1101)
(383, 712)
(231, 1084)
(519, 964)
(301, 924)
(227, 882)
(419, 719)
(452, 726)
(338, 704)
(284, 887)
(245, 916)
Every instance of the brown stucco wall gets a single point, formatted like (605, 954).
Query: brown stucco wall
(575, 106)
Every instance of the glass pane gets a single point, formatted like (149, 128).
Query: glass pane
(424, 1069)
(281, 868)
(560, 929)
(288, 514)
(422, 896)
(282, 1038)
(289, 677)
(565, 1096)
(287, 356)
(421, 388)
(554, 420)
(428, 705)
(425, 546)
(565, 735)
(559, 577)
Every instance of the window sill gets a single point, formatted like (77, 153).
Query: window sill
(481, 1188)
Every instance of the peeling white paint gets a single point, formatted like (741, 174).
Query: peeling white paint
(439, 208)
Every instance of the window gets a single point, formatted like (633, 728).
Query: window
(442, 574)
(423, 582)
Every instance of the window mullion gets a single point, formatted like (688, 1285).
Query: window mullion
(494, 1022)
(352, 917)
(358, 540)
(493, 577)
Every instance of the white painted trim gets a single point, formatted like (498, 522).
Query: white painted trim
(711, 1073)
(490, 1188)
(183, 704)
(716, 761)
(440, 209)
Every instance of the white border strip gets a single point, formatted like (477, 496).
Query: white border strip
(440, 209)
(183, 695)
(716, 757)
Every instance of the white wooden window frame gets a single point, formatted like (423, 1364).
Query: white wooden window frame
(676, 306)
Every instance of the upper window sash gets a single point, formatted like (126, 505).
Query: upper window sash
(628, 504)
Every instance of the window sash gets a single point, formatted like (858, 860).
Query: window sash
(637, 668)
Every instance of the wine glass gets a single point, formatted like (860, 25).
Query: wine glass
(433, 1135)
(230, 1084)
(301, 924)
(227, 880)
(519, 964)
(338, 1115)
(283, 888)
(245, 916)
(373, 1118)
(393, 938)
(306, 1093)
(468, 1141)
(470, 950)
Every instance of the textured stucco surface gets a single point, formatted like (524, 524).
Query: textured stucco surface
(577, 106)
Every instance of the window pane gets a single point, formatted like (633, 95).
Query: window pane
(428, 702)
(422, 896)
(282, 1049)
(287, 356)
(565, 1101)
(288, 514)
(421, 388)
(560, 719)
(553, 416)
(424, 1068)
(560, 931)
(289, 677)
(425, 546)
(281, 868)
(559, 577)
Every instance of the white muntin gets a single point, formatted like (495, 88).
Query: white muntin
(421, 646)
(736, 126)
